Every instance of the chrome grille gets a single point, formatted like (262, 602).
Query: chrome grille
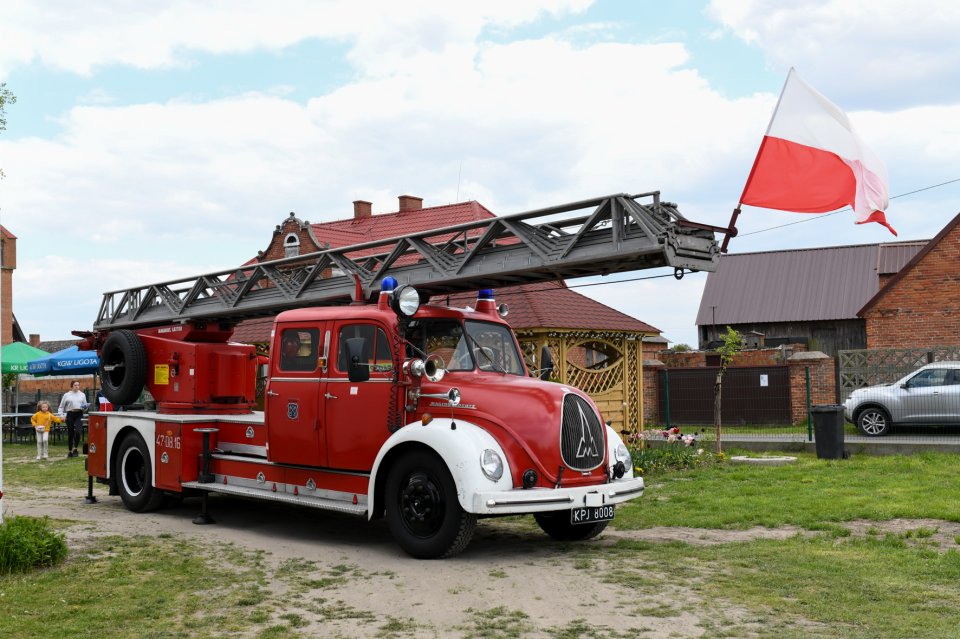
(581, 435)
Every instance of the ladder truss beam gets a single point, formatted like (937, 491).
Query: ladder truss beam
(611, 234)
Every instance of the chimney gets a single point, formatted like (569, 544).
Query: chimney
(410, 203)
(35, 340)
(361, 209)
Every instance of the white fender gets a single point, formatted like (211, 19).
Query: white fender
(459, 448)
(146, 426)
(613, 440)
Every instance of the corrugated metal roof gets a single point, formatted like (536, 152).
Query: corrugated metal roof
(829, 283)
(892, 257)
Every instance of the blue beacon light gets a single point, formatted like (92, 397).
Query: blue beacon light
(388, 285)
(485, 294)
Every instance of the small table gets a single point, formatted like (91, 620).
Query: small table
(10, 429)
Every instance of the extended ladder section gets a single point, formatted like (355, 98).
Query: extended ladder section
(593, 237)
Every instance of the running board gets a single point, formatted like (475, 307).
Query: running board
(324, 499)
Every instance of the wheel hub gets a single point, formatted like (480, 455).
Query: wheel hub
(421, 504)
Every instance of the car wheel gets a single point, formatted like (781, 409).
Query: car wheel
(422, 508)
(873, 421)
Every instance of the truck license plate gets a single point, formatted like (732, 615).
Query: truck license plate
(591, 515)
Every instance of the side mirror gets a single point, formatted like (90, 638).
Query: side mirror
(546, 363)
(359, 366)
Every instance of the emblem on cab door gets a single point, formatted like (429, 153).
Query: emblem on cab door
(293, 410)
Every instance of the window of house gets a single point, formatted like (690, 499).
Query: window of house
(291, 245)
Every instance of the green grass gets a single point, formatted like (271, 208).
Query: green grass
(27, 543)
(810, 493)
(21, 468)
(144, 587)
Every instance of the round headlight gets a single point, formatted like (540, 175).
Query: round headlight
(623, 455)
(491, 464)
(406, 301)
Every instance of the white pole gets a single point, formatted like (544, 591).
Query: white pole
(1, 402)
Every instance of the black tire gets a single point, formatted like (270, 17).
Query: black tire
(557, 525)
(422, 508)
(873, 421)
(135, 476)
(123, 367)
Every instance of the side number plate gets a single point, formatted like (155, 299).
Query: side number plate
(591, 515)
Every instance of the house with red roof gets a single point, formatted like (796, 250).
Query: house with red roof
(594, 347)
(918, 306)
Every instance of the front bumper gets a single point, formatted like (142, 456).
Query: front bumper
(537, 500)
(848, 410)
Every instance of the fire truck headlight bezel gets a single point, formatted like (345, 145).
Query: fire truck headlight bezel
(406, 301)
(491, 464)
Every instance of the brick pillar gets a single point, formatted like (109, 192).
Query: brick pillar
(8, 250)
(822, 383)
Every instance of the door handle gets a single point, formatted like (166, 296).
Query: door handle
(270, 393)
(329, 396)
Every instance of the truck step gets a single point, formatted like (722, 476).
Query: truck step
(313, 501)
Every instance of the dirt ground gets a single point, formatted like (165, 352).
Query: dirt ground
(509, 564)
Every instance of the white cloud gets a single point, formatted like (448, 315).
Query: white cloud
(860, 53)
(83, 37)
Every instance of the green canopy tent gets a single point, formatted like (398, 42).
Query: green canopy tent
(14, 357)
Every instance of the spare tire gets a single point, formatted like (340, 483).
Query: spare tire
(123, 367)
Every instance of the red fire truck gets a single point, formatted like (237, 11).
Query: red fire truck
(377, 403)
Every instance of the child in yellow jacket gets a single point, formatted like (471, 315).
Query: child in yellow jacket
(42, 420)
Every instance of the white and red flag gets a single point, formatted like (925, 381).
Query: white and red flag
(812, 161)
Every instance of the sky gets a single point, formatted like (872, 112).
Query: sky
(163, 140)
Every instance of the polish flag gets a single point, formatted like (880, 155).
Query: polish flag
(812, 161)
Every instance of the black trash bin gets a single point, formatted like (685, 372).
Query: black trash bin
(828, 431)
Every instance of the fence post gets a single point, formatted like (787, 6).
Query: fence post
(809, 420)
(666, 391)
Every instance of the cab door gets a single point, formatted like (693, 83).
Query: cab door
(293, 402)
(357, 413)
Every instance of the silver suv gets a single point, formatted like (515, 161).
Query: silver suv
(929, 395)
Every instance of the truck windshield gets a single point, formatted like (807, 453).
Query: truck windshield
(463, 347)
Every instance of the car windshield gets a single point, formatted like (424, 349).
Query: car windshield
(465, 346)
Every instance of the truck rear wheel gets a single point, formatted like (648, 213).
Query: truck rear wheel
(422, 508)
(123, 367)
(558, 526)
(135, 476)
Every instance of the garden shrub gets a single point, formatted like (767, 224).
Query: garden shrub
(27, 543)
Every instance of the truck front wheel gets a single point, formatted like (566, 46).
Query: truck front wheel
(135, 476)
(558, 526)
(422, 508)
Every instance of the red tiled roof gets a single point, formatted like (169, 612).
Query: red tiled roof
(341, 233)
(553, 305)
(253, 331)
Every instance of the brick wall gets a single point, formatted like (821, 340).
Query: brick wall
(923, 307)
(290, 225)
(753, 357)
